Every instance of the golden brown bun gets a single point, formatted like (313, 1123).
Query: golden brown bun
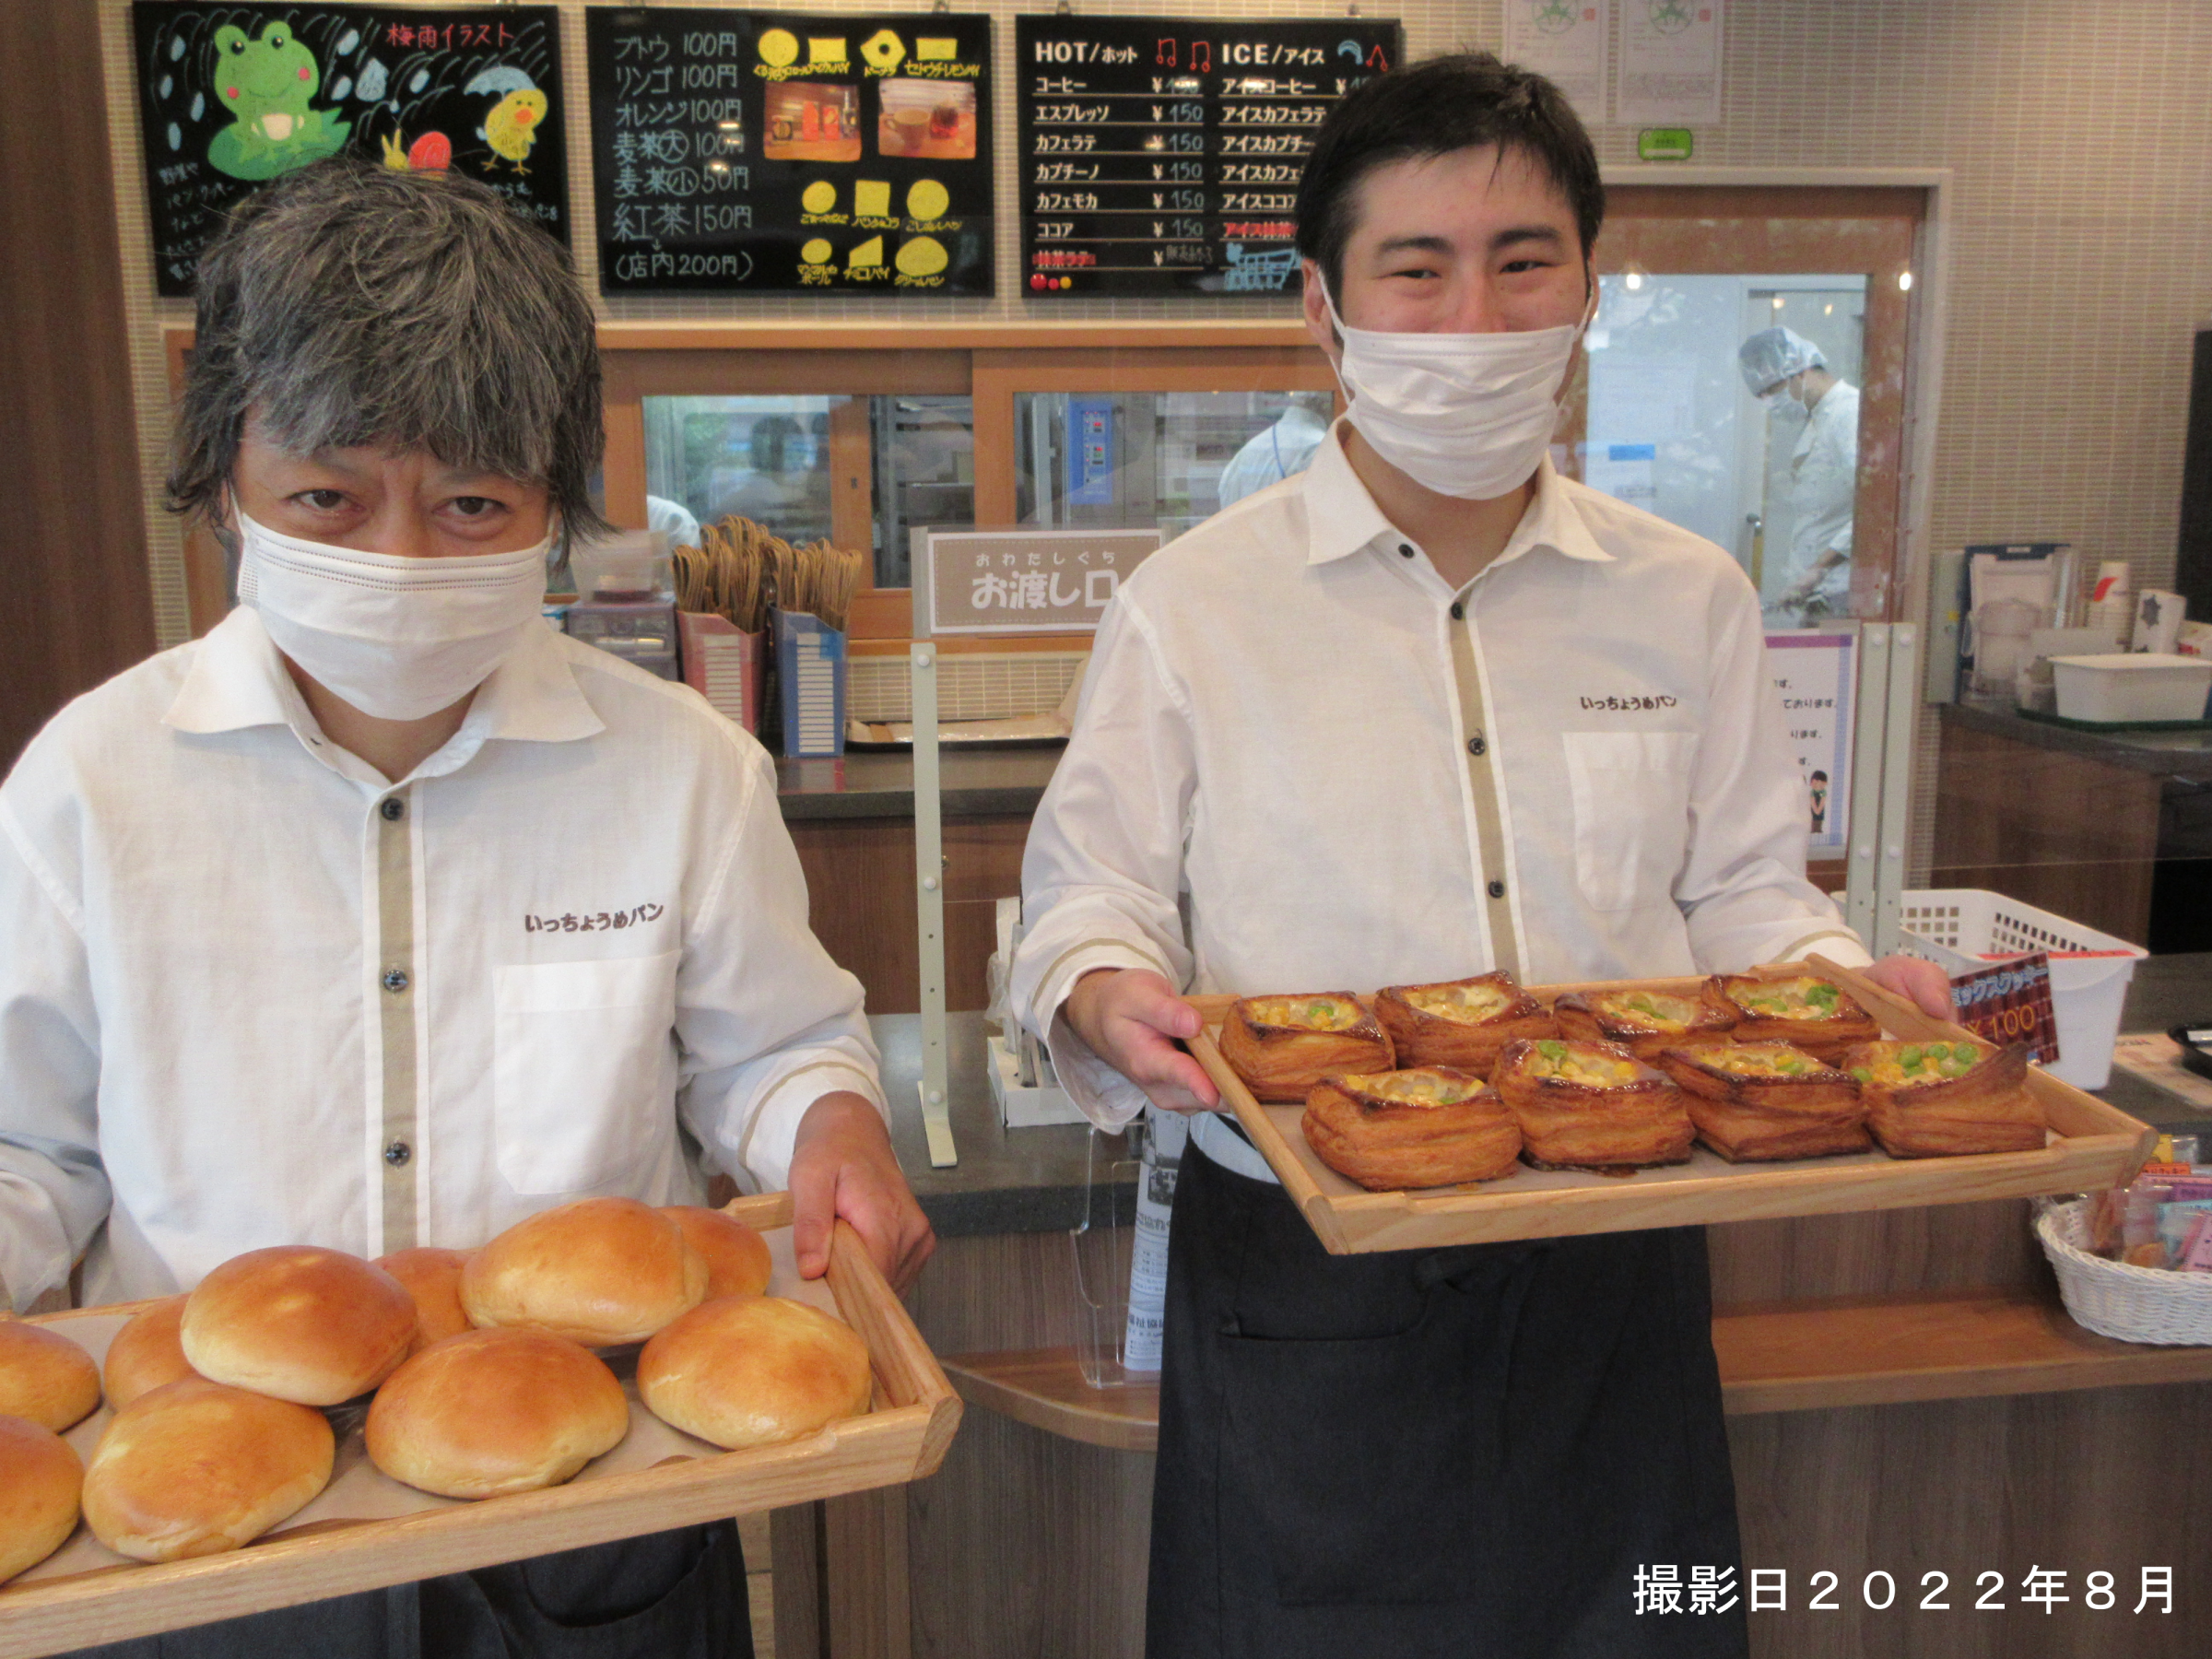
(40, 1479)
(146, 1353)
(753, 1371)
(1757, 1118)
(1612, 1016)
(600, 1271)
(1824, 1039)
(1280, 1061)
(1422, 1036)
(299, 1322)
(496, 1411)
(736, 1256)
(432, 1276)
(195, 1467)
(1571, 1125)
(1384, 1143)
(45, 1377)
(1987, 1110)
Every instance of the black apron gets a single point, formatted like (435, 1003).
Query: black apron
(672, 1595)
(1466, 1452)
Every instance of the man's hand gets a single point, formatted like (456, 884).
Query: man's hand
(842, 1169)
(1921, 983)
(1131, 1017)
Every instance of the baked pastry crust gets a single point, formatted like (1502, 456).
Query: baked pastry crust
(1930, 1100)
(1806, 1012)
(1416, 1127)
(145, 1353)
(1643, 1022)
(39, 1479)
(1583, 1104)
(1460, 1023)
(1281, 1046)
(1757, 1102)
(44, 1377)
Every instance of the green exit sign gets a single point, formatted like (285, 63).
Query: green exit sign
(1663, 143)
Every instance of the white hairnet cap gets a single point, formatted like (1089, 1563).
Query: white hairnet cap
(1774, 355)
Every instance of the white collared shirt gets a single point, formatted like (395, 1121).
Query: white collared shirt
(251, 994)
(1301, 763)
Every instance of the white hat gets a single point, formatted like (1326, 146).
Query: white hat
(1774, 355)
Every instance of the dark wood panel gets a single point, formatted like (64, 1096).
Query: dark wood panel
(2062, 832)
(860, 885)
(1881, 1253)
(79, 607)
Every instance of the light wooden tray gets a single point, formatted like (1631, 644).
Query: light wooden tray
(903, 1438)
(2092, 1145)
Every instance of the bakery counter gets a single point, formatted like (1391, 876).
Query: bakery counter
(2162, 754)
(880, 783)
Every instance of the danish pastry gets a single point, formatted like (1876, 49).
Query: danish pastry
(1281, 1046)
(1425, 1126)
(1582, 1104)
(1643, 1022)
(1460, 1023)
(1939, 1100)
(1758, 1101)
(1806, 1013)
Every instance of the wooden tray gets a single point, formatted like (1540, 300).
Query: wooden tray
(903, 1437)
(2092, 1145)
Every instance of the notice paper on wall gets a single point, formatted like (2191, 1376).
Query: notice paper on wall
(1670, 63)
(1564, 40)
(1813, 675)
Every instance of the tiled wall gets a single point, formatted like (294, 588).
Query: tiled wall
(2080, 233)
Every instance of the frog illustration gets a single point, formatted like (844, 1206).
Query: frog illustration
(266, 85)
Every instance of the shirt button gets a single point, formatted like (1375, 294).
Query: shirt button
(397, 1153)
(1496, 890)
(394, 810)
(1476, 745)
(1459, 611)
(396, 978)
(1405, 549)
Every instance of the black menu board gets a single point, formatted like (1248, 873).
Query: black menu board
(750, 151)
(1161, 155)
(231, 96)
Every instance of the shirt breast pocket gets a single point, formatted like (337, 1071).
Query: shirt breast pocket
(582, 1069)
(1632, 814)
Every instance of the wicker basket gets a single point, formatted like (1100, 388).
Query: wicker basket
(2113, 1299)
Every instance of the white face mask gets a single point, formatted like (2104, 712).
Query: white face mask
(396, 638)
(1466, 415)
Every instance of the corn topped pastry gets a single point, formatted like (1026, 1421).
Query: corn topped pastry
(1282, 1045)
(1460, 1023)
(1946, 1097)
(1643, 1022)
(1419, 1127)
(1757, 1102)
(1806, 1012)
(1582, 1104)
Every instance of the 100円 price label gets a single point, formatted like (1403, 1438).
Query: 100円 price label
(1163, 155)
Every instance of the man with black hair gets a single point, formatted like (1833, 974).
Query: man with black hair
(1425, 710)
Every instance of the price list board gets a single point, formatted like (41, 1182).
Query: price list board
(741, 151)
(1163, 155)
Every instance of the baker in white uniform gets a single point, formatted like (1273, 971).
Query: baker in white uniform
(1425, 710)
(1789, 375)
(382, 915)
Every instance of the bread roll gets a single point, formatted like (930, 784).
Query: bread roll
(196, 1467)
(433, 1278)
(754, 1371)
(45, 1377)
(146, 1353)
(39, 1478)
(299, 1322)
(736, 1256)
(600, 1271)
(496, 1411)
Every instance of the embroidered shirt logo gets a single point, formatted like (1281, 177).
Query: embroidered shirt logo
(600, 922)
(1627, 705)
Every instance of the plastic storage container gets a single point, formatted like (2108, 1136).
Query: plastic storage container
(1962, 928)
(2131, 686)
(626, 599)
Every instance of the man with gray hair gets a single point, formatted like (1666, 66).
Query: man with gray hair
(384, 916)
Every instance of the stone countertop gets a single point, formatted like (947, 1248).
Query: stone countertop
(1012, 1181)
(880, 783)
(2167, 754)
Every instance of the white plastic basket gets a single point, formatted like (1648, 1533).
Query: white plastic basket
(2115, 1298)
(1958, 927)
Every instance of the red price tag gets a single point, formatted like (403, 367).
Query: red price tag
(2010, 1002)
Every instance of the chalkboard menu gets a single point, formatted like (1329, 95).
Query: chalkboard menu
(846, 152)
(1161, 155)
(231, 96)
